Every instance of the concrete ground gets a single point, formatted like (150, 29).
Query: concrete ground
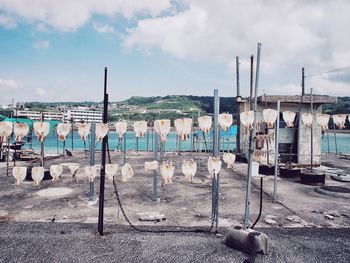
(304, 219)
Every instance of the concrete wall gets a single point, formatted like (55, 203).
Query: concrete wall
(287, 134)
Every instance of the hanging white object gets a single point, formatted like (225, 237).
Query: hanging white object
(151, 166)
(127, 172)
(5, 130)
(189, 169)
(73, 169)
(56, 172)
(307, 119)
(91, 172)
(41, 130)
(205, 123)
(322, 120)
(20, 130)
(183, 128)
(37, 175)
(101, 130)
(225, 121)
(288, 117)
(111, 170)
(62, 131)
(121, 128)
(162, 128)
(214, 166)
(140, 128)
(339, 120)
(270, 116)
(19, 173)
(247, 119)
(167, 170)
(229, 159)
(84, 130)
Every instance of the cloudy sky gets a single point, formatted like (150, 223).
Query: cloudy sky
(57, 50)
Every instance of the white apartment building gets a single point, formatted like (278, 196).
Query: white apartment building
(36, 115)
(80, 115)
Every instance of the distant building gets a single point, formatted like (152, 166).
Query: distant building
(36, 115)
(80, 115)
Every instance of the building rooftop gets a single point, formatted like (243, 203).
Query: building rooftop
(317, 99)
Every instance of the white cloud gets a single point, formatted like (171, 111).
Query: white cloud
(9, 84)
(41, 92)
(103, 28)
(7, 22)
(67, 15)
(294, 34)
(44, 44)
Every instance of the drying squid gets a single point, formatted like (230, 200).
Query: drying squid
(140, 128)
(20, 130)
(19, 173)
(339, 120)
(151, 166)
(56, 172)
(167, 170)
(225, 121)
(205, 123)
(73, 169)
(91, 172)
(307, 119)
(229, 159)
(101, 130)
(183, 128)
(37, 175)
(41, 130)
(270, 116)
(214, 166)
(288, 117)
(111, 170)
(62, 130)
(121, 128)
(322, 120)
(247, 119)
(162, 128)
(189, 169)
(5, 130)
(127, 172)
(84, 130)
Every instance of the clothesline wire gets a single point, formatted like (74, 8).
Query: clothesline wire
(329, 71)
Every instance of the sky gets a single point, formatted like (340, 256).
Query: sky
(57, 50)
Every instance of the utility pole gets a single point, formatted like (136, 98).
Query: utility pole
(103, 159)
(302, 82)
(238, 100)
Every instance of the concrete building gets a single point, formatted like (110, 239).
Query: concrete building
(36, 115)
(80, 115)
(294, 143)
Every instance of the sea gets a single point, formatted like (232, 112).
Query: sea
(331, 143)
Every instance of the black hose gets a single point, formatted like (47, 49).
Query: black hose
(261, 196)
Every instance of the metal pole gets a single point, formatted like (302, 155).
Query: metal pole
(42, 145)
(103, 159)
(312, 129)
(335, 139)
(147, 142)
(237, 76)
(92, 158)
(251, 148)
(302, 82)
(124, 147)
(72, 128)
(154, 183)
(216, 141)
(251, 82)
(277, 136)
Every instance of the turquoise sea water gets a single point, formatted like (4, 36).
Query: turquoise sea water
(227, 142)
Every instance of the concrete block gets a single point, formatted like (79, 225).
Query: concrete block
(247, 240)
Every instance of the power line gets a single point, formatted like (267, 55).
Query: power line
(329, 71)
